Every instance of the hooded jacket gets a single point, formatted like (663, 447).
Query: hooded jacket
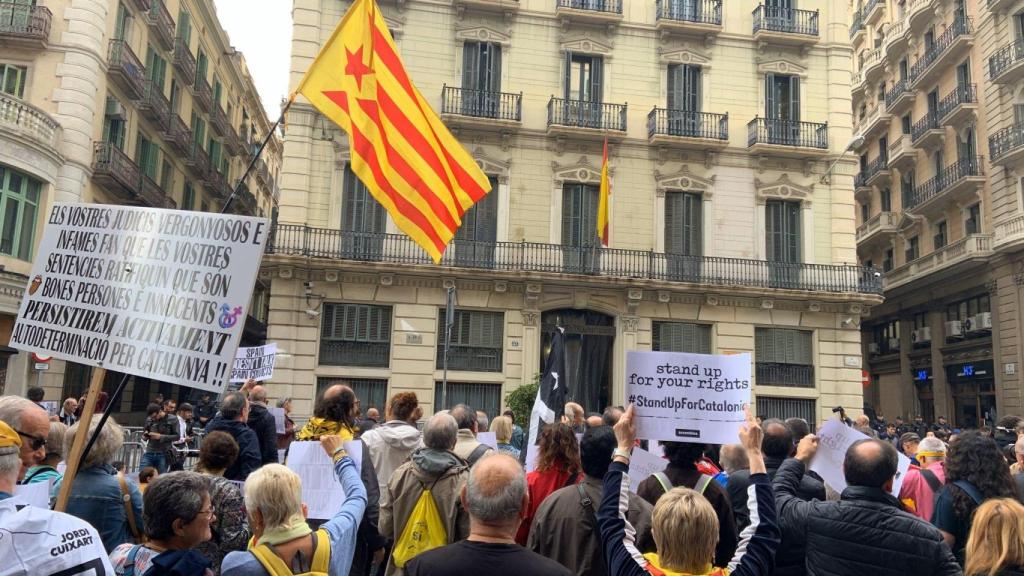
(390, 445)
(249, 458)
(263, 423)
(444, 474)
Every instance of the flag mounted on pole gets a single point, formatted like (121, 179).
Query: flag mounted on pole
(400, 148)
(606, 191)
(551, 394)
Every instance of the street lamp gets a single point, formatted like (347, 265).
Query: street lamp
(855, 143)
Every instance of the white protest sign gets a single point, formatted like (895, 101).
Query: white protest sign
(256, 363)
(686, 397)
(36, 494)
(642, 464)
(487, 439)
(161, 294)
(51, 407)
(278, 418)
(321, 492)
(834, 439)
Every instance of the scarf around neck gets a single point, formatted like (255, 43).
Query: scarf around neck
(296, 527)
(317, 427)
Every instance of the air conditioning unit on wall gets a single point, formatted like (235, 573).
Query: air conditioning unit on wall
(921, 335)
(872, 348)
(954, 329)
(894, 344)
(983, 321)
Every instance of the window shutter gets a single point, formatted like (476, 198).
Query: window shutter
(674, 234)
(771, 109)
(773, 225)
(471, 65)
(794, 98)
(590, 196)
(568, 74)
(596, 80)
(570, 214)
(692, 88)
(487, 215)
(675, 87)
(494, 68)
(792, 231)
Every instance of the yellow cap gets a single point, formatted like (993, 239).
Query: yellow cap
(8, 437)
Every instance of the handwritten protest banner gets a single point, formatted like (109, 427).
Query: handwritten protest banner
(642, 464)
(688, 397)
(156, 293)
(834, 439)
(321, 491)
(256, 363)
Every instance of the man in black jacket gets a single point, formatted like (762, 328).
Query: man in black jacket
(234, 412)
(867, 531)
(263, 423)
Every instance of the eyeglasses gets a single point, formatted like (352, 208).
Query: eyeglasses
(209, 512)
(37, 442)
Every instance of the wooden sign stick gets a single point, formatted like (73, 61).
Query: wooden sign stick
(84, 423)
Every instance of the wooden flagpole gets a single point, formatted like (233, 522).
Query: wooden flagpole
(95, 386)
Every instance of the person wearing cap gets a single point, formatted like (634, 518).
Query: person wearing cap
(908, 445)
(37, 540)
(921, 485)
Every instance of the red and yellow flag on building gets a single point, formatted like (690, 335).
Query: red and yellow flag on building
(606, 192)
(400, 148)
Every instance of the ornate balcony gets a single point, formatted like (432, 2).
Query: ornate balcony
(21, 120)
(1006, 147)
(919, 14)
(115, 171)
(218, 121)
(1006, 66)
(178, 134)
(515, 257)
(585, 118)
(872, 64)
(236, 146)
(203, 94)
(702, 17)
(161, 25)
(881, 225)
(952, 45)
(184, 62)
(861, 190)
(959, 182)
(590, 11)
(876, 120)
(902, 154)
(927, 132)
(151, 194)
(899, 98)
(262, 172)
(878, 171)
(896, 39)
(24, 26)
(216, 185)
(959, 106)
(154, 106)
(1000, 6)
(857, 27)
(787, 137)
(125, 70)
(244, 202)
(687, 129)
(873, 12)
(777, 25)
(501, 6)
(949, 262)
(481, 109)
(198, 160)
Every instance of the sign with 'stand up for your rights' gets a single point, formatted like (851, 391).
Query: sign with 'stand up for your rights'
(156, 293)
(684, 397)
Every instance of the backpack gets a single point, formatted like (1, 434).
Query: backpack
(423, 531)
(274, 566)
(700, 487)
(477, 454)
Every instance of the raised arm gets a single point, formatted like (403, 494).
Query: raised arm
(755, 553)
(793, 511)
(345, 524)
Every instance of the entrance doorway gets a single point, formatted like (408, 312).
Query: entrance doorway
(589, 340)
(974, 394)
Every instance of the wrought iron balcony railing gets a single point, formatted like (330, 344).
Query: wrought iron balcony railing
(609, 6)
(20, 21)
(154, 105)
(687, 124)
(944, 180)
(962, 94)
(879, 164)
(161, 24)
(787, 133)
(1004, 58)
(126, 69)
(219, 121)
(298, 240)
(856, 24)
(352, 353)
(203, 94)
(178, 134)
(961, 26)
(930, 121)
(112, 167)
(586, 114)
(787, 20)
(482, 103)
(184, 61)
(696, 11)
(780, 374)
(898, 89)
(471, 358)
(1005, 141)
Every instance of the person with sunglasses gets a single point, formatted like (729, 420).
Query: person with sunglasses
(32, 424)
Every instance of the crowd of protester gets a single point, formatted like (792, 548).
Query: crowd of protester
(438, 501)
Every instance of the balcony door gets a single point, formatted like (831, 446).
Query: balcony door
(966, 149)
(481, 79)
(475, 240)
(580, 246)
(684, 100)
(783, 236)
(782, 108)
(779, 14)
(688, 10)
(363, 221)
(15, 15)
(933, 105)
(683, 236)
(584, 76)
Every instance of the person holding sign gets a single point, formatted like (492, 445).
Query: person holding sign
(684, 524)
(868, 524)
(283, 543)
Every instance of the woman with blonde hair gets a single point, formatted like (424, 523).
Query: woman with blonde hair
(995, 546)
(502, 428)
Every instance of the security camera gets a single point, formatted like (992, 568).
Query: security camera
(312, 313)
(878, 274)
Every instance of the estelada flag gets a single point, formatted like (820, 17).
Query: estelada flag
(606, 191)
(399, 147)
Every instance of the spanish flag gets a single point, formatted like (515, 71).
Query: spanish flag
(399, 147)
(606, 191)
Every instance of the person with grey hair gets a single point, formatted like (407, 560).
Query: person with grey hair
(497, 499)
(434, 467)
(234, 413)
(483, 423)
(31, 423)
(263, 423)
(36, 540)
(922, 485)
(47, 469)
(177, 519)
(99, 492)
(468, 447)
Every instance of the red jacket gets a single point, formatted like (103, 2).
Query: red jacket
(541, 485)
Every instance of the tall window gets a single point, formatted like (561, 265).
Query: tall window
(783, 231)
(184, 26)
(218, 89)
(681, 337)
(201, 65)
(175, 96)
(782, 97)
(885, 196)
(907, 188)
(579, 226)
(114, 125)
(583, 77)
(865, 212)
(684, 233)
(904, 69)
(363, 221)
(12, 80)
(940, 235)
(782, 408)
(476, 341)
(887, 261)
(963, 73)
(188, 198)
(965, 146)
(481, 66)
(973, 223)
(147, 155)
(19, 195)
(156, 68)
(912, 250)
(933, 103)
(906, 123)
(684, 84)
(214, 149)
(123, 25)
(784, 357)
(355, 335)
(198, 126)
(475, 239)
(166, 175)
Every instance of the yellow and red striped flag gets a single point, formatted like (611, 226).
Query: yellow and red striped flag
(400, 148)
(606, 192)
